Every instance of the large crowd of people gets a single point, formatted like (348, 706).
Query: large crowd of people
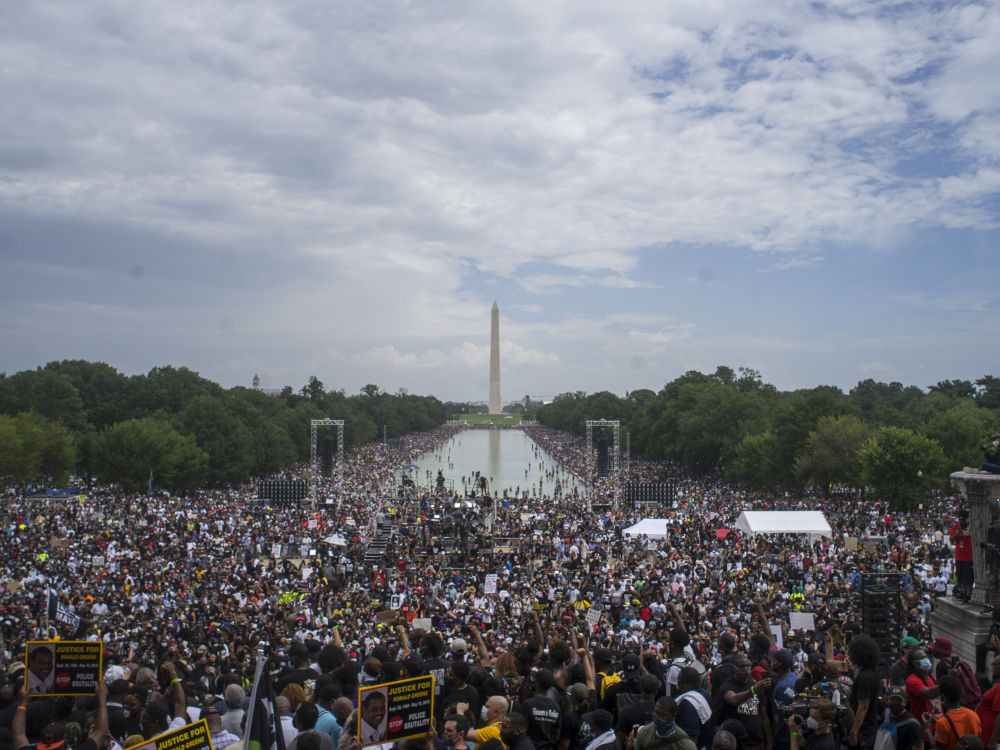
(545, 625)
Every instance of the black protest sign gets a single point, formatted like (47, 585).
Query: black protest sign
(61, 613)
(62, 667)
(395, 710)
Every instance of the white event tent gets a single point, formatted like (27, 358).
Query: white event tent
(811, 522)
(653, 528)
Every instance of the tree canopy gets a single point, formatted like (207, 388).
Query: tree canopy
(88, 419)
(731, 420)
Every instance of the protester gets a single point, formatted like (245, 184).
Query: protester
(185, 593)
(957, 720)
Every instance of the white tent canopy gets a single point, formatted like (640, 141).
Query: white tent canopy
(653, 528)
(783, 522)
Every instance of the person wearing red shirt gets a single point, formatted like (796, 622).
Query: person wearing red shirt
(961, 539)
(989, 708)
(922, 689)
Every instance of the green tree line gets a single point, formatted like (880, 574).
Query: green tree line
(89, 419)
(900, 441)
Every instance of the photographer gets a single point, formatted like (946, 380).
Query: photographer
(817, 732)
(991, 454)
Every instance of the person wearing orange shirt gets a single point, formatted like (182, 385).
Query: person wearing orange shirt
(958, 720)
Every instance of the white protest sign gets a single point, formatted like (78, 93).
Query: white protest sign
(778, 637)
(593, 615)
(802, 620)
(490, 585)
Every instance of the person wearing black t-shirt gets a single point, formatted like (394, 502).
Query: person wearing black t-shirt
(865, 691)
(573, 733)
(300, 671)
(746, 700)
(541, 714)
(817, 731)
(909, 734)
(623, 693)
(457, 691)
(432, 648)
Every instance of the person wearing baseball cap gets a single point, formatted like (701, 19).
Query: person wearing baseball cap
(899, 669)
(458, 648)
(908, 731)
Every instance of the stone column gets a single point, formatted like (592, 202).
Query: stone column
(982, 492)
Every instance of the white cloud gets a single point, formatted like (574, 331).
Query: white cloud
(348, 188)
(467, 356)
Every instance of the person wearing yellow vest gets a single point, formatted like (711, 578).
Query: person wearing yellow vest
(496, 708)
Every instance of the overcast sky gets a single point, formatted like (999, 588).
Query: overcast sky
(342, 190)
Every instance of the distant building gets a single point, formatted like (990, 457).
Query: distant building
(521, 407)
(256, 382)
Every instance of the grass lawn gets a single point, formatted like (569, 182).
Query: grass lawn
(488, 418)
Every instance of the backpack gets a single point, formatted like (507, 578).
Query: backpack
(687, 661)
(607, 680)
(971, 692)
(887, 733)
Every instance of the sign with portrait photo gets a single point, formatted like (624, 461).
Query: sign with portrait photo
(395, 711)
(62, 667)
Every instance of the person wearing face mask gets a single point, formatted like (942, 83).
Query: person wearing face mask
(922, 690)
(494, 710)
(746, 700)
(817, 733)
(453, 732)
(513, 733)
(909, 734)
(663, 733)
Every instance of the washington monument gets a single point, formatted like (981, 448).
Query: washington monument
(496, 405)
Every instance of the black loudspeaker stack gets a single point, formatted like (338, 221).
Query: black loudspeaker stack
(282, 493)
(882, 614)
(654, 493)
